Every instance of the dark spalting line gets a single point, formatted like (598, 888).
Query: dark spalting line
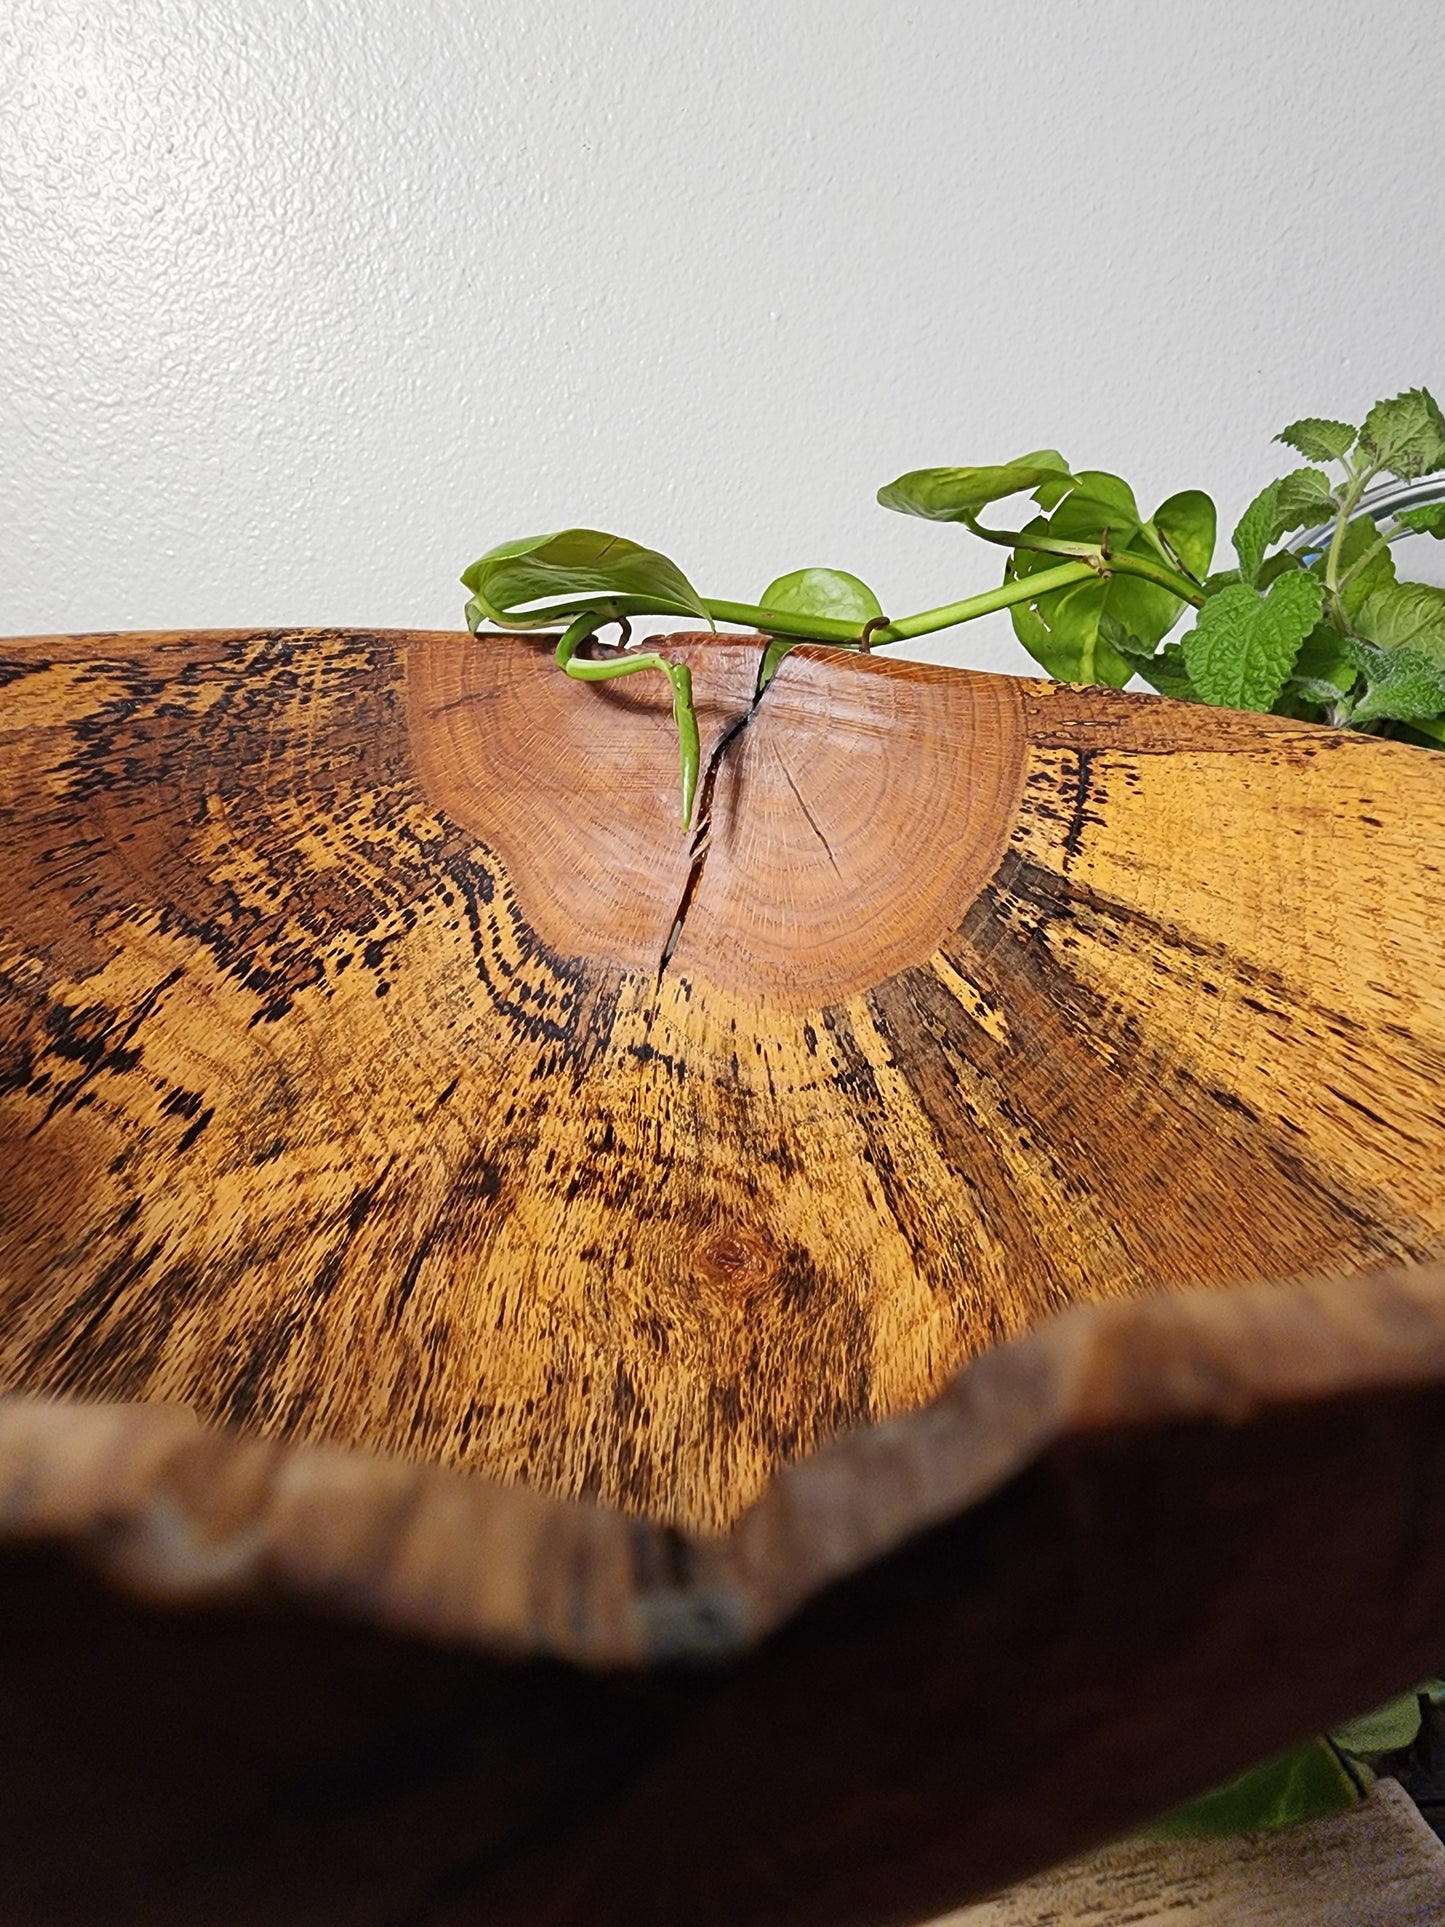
(1121, 1114)
(966, 1150)
(1081, 815)
(111, 1337)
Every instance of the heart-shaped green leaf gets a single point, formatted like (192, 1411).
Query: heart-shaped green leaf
(571, 570)
(822, 592)
(1068, 630)
(1305, 1784)
(1186, 525)
(956, 494)
(1387, 1730)
(1243, 647)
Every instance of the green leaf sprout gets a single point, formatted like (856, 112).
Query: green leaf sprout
(1317, 627)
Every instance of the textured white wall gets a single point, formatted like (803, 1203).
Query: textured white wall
(305, 303)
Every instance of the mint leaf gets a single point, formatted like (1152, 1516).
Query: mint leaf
(1317, 439)
(1301, 498)
(1252, 533)
(1429, 519)
(955, 494)
(1322, 659)
(1305, 1784)
(1406, 436)
(1403, 687)
(1405, 615)
(1295, 501)
(822, 592)
(1169, 675)
(1360, 537)
(1244, 645)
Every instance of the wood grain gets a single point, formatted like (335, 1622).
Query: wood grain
(1377, 1866)
(345, 1096)
(1116, 1561)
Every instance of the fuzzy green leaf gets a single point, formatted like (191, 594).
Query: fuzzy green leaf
(1429, 519)
(1360, 537)
(1301, 498)
(1405, 615)
(1322, 659)
(1294, 501)
(1403, 686)
(1253, 532)
(1406, 435)
(822, 592)
(1306, 1784)
(955, 494)
(1318, 439)
(573, 569)
(1244, 645)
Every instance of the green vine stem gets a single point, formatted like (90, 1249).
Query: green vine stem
(585, 669)
(1084, 561)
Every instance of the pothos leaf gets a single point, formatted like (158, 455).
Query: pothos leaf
(955, 494)
(1068, 630)
(1244, 645)
(1387, 1730)
(1406, 435)
(1318, 439)
(1186, 525)
(1305, 1784)
(822, 592)
(1169, 674)
(572, 569)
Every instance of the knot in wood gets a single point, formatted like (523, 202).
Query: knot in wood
(737, 1259)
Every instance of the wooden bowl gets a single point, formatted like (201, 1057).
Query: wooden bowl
(522, 1194)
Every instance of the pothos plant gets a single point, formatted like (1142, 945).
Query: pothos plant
(1316, 626)
(1310, 620)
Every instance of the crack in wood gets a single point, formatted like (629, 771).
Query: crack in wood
(702, 835)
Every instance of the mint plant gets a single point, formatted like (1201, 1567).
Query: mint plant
(1317, 627)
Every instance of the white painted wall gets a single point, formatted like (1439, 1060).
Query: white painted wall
(306, 302)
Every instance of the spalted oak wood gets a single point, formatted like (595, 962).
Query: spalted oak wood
(1113, 1562)
(383, 1065)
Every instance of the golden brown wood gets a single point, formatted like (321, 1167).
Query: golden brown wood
(347, 1098)
(1115, 1561)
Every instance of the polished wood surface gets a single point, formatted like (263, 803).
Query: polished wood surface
(351, 1093)
(1114, 1562)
